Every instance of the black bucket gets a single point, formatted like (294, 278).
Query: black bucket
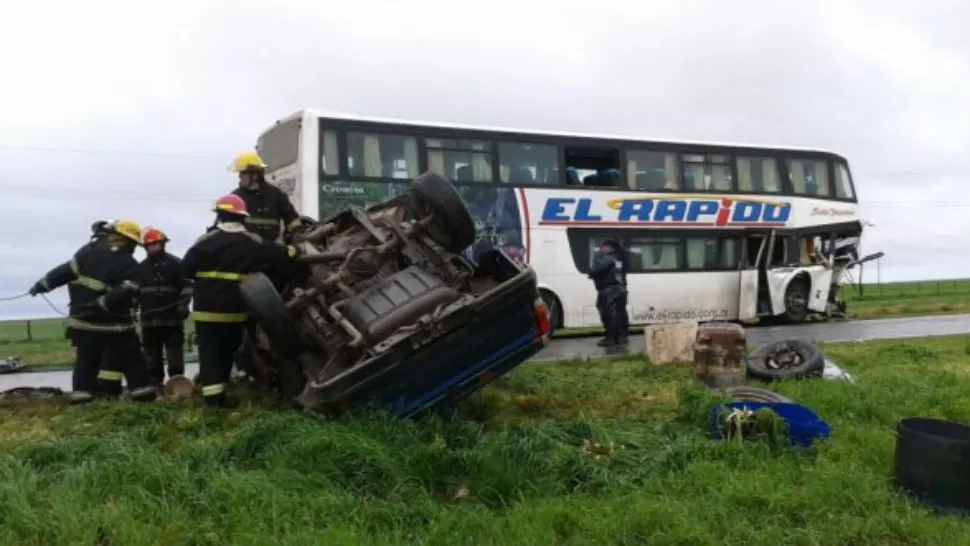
(932, 464)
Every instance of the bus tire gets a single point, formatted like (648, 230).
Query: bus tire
(555, 309)
(454, 227)
(790, 359)
(796, 300)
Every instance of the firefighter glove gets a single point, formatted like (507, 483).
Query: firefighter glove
(39, 287)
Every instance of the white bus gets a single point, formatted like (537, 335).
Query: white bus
(714, 231)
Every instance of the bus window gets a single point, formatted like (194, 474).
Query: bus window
(382, 155)
(758, 175)
(711, 253)
(528, 163)
(460, 160)
(595, 167)
(779, 253)
(752, 248)
(652, 171)
(843, 182)
(330, 161)
(655, 254)
(707, 172)
(728, 257)
(809, 177)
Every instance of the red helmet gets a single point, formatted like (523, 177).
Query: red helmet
(152, 236)
(233, 204)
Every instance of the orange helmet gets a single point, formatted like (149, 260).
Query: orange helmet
(152, 236)
(233, 204)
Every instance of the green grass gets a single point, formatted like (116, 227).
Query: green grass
(512, 468)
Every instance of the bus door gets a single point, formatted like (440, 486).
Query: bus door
(753, 276)
(823, 272)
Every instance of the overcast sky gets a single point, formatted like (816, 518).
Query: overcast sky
(134, 108)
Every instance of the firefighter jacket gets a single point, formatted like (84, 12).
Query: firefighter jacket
(164, 293)
(218, 261)
(102, 285)
(269, 207)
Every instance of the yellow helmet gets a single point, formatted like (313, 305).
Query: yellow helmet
(128, 229)
(246, 161)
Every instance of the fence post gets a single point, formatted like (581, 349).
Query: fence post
(30, 335)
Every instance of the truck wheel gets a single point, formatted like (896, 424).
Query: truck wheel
(272, 315)
(454, 228)
(791, 359)
(796, 301)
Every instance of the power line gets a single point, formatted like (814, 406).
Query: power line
(92, 151)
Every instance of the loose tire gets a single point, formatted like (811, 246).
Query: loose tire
(792, 359)
(454, 228)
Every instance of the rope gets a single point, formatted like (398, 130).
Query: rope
(52, 306)
(12, 298)
(122, 315)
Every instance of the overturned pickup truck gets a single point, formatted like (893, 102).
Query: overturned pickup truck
(384, 310)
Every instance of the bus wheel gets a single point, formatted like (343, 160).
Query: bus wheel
(796, 301)
(554, 307)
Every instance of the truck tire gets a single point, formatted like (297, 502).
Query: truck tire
(792, 359)
(267, 307)
(454, 228)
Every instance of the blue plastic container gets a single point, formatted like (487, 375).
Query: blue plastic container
(804, 426)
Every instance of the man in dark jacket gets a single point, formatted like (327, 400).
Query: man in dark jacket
(269, 207)
(102, 289)
(609, 277)
(216, 264)
(164, 303)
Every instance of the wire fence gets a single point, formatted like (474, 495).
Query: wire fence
(911, 290)
(55, 331)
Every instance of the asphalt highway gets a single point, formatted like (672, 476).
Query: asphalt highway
(585, 348)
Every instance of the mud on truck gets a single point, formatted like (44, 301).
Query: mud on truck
(382, 309)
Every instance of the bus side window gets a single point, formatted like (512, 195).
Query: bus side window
(652, 171)
(779, 253)
(809, 177)
(522, 163)
(596, 167)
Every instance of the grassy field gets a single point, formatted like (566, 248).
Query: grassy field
(46, 344)
(514, 467)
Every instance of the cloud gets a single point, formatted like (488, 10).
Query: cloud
(883, 83)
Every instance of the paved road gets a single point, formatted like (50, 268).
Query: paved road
(862, 330)
(585, 348)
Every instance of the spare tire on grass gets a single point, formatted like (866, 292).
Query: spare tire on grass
(791, 359)
(454, 228)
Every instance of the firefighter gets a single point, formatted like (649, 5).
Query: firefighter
(101, 322)
(164, 307)
(216, 264)
(269, 207)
